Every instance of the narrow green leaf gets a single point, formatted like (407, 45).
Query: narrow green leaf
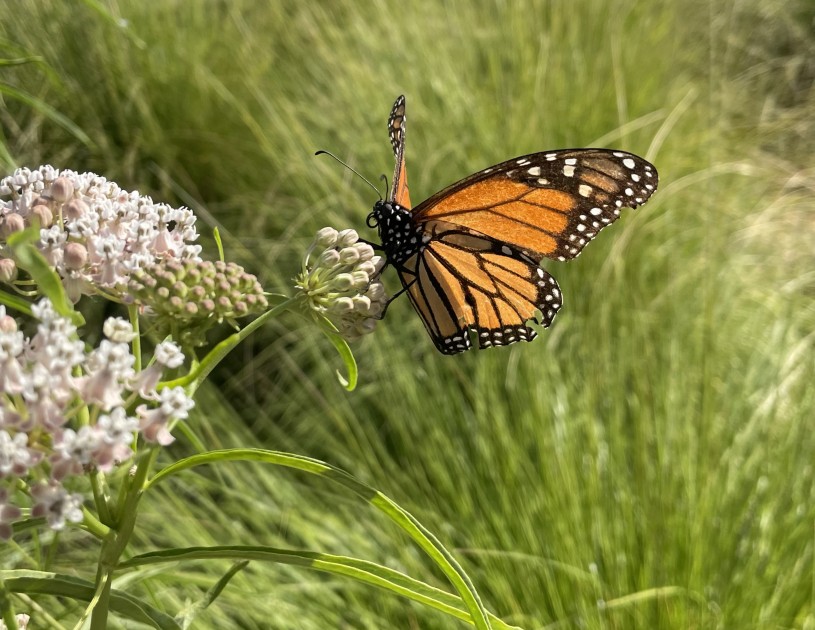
(216, 233)
(363, 571)
(211, 595)
(28, 257)
(6, 607)
(344, 350)
(45, 583)
(420, 534)
(21, 305)
(193, 380)
(46, 110)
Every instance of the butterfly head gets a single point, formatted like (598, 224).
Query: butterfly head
(400, 237)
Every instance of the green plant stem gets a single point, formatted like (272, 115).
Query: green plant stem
(197, 376)
(114, 544)
(94, 525)
(6, 609)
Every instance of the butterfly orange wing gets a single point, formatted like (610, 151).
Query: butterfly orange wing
(462, 280)
(547, 204)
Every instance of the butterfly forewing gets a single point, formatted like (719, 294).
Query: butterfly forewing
(548, 204)
(463, 280)
(396, 131)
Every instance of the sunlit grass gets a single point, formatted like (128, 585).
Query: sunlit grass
(647, 463)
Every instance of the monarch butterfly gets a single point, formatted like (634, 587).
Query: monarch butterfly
(468, 256)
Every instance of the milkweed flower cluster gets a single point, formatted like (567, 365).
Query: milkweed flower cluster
(93, 233)
(339, 279)
(66, 409)
(189, 296)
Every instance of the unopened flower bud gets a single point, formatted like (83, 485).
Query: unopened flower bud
(368, 267)
(7, 324)
(366, 252)
(362, 304)
(361, 280)
(343, 282)
(43, 215)
(376, 291)
(62, 189)
(349, 256)
(329, 258)
(8, 270)
(75, 209)
(76, 256)
(347, 237)
(343, 305)
(326, 237)
(10, 224)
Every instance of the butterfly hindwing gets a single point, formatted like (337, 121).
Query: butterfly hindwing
(548, 204)
(462, 281)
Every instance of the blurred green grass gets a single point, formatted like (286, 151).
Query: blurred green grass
(647, 463)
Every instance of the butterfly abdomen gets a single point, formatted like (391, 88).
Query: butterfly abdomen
(400, 237)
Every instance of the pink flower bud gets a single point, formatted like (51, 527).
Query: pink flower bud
(75, 256)
(62, 189)
(43, 215)
(8, 270)
(12, 223)
(75, 209)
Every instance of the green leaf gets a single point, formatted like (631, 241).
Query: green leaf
(216, 233)
(420, 534)
(363, 571)
(28, 257)
(6, 607)
(46, 110)
(199, 373)
(344, 350)
(46, 583)
(211, 595)
(19, 304)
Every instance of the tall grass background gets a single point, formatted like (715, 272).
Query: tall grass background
(646, 463)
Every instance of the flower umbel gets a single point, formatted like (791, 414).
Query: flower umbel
(46, 381)
(340, 280)
(189, 296)
(94, 233)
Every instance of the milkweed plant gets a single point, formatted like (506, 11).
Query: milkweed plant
(85, 414)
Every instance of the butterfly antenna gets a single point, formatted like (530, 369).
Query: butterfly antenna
(354, 171)
(385, 177)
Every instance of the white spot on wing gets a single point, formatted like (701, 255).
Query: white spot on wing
(568, 171)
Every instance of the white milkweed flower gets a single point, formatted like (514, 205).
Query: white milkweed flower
(46, 380)
(53, 502)
(339, 279)
(95, 234)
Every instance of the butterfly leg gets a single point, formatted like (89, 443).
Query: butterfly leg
(377, 247)
(393, 297)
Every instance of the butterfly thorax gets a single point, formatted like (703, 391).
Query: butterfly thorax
(400, 237)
